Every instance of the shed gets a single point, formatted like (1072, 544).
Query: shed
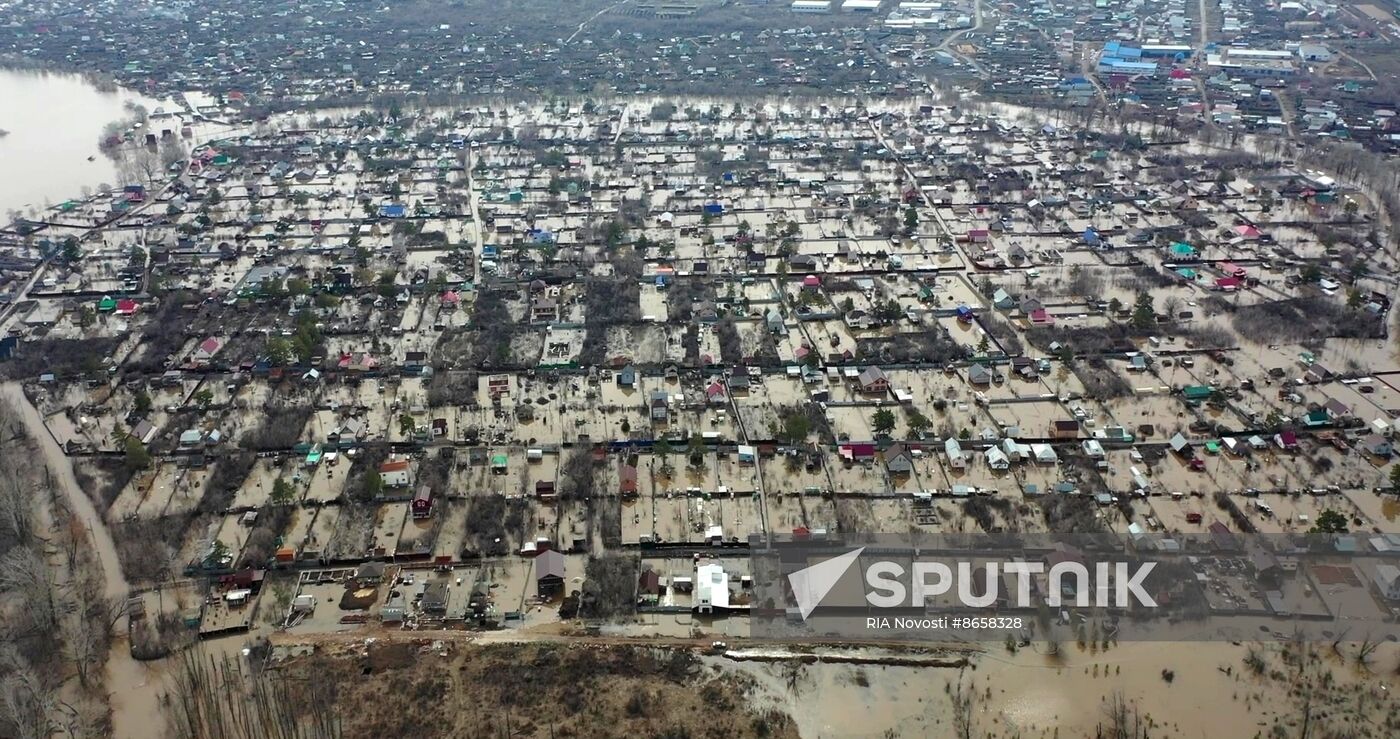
(423, 502)
(549, 573)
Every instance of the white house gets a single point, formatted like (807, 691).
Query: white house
(394, 473)
(956, 458)
(1015, 450)
(997, 459)
(711, 588)
(1387, 579)
(1044, 454)
(1314, 53)
(1093, 449)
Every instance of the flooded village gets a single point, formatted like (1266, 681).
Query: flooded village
(500, 388)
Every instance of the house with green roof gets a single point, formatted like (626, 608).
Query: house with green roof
(1182, 250)
(1196, 392)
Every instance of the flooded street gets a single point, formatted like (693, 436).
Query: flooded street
(137, 688)
(62, 471)
(134, 701)
(54, 122)
(134, 689)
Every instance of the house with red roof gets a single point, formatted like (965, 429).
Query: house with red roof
(627, 480)
(422, 504)
(357, 362)
(207, 349)
(394, 473)
(1231, 269)
(857, 452)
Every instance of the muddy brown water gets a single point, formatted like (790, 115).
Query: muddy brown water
(1034, 695)
(54, 123)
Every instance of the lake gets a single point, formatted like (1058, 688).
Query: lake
(54, 123)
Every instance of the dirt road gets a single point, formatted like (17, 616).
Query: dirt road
(590, 19)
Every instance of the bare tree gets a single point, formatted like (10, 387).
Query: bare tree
(963, 700)
(84, 645)
(1121, 720)
(140, 165)
(23, 571)
(16, 507)
(219, 700)
(29, 705)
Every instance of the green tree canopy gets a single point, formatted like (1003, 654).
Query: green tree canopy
(883, 421)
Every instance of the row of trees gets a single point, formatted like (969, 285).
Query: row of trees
(54, 640)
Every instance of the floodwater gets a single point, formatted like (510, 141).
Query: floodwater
(54, 123)
(134, 690)
(1032, 695)
(137, 689)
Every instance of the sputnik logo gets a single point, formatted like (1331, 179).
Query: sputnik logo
(811, 584)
